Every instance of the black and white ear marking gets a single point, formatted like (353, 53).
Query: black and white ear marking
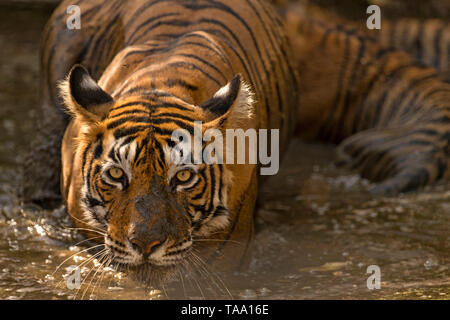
(84, 90)
(82, 95)
(236, 94)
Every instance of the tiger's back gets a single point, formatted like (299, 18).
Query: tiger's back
(243, 37)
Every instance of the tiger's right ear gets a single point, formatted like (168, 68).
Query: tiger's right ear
(83, 97)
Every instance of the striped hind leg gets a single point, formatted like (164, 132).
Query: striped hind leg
(390, 113)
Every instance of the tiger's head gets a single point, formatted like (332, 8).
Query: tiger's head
(121, 183)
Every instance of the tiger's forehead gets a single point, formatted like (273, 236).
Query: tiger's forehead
(126, 150)
(137, 131)
(151, 101)
(134, 145)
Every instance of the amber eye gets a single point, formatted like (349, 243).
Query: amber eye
(184, 175)
(116, 173)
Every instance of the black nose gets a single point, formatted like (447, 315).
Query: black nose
(146, 247)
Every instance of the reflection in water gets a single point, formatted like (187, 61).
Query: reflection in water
(318, 229)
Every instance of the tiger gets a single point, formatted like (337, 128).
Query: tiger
(426, 40)
(113, 92)
(385, 101)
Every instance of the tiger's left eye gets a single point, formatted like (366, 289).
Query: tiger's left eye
(183, 175)
(116, 173)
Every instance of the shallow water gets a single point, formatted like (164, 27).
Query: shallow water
(318, 229)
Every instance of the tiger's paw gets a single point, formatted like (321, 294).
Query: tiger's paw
(397, 159)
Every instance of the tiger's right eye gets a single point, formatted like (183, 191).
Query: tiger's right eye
(116, 173)
(183, 175)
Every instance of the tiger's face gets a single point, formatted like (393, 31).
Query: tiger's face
(122, 180)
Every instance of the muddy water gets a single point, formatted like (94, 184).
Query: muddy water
(318, 229)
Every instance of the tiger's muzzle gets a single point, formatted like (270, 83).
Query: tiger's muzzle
(158, 226)
(157, 239)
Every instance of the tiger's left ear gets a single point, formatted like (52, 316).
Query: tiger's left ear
(83, 97)
(231, 106)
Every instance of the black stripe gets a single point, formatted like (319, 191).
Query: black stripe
(195, 57)
(212, 187)
(193, 186)
(181, 124)
(353, 80)
(87, 177)
(97, 48)
(173, 115)
(126, 141)
(438, 39)
(150, 20)
(365, 122)
(142, 9)
(129, 104)
(98, 150)
(161, 154)
(180, 83)
(128, 119)
(255, 74)
(122, 132)
(171, 23)
(139, 148)
(326, 128)
(83, 161)
(394, 106)
(393, 78)
(199, 195)
(221, 189)
(418, 42)
(133, 112)
(214, 48)
(231, 229)
(190, 66)
(159, 49)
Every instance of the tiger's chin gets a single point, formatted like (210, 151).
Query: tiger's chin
(155, 272)
(151, 275)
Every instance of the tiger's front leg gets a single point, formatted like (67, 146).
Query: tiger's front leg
(390, 113)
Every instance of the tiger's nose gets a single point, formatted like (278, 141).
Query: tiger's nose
(144, 247)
